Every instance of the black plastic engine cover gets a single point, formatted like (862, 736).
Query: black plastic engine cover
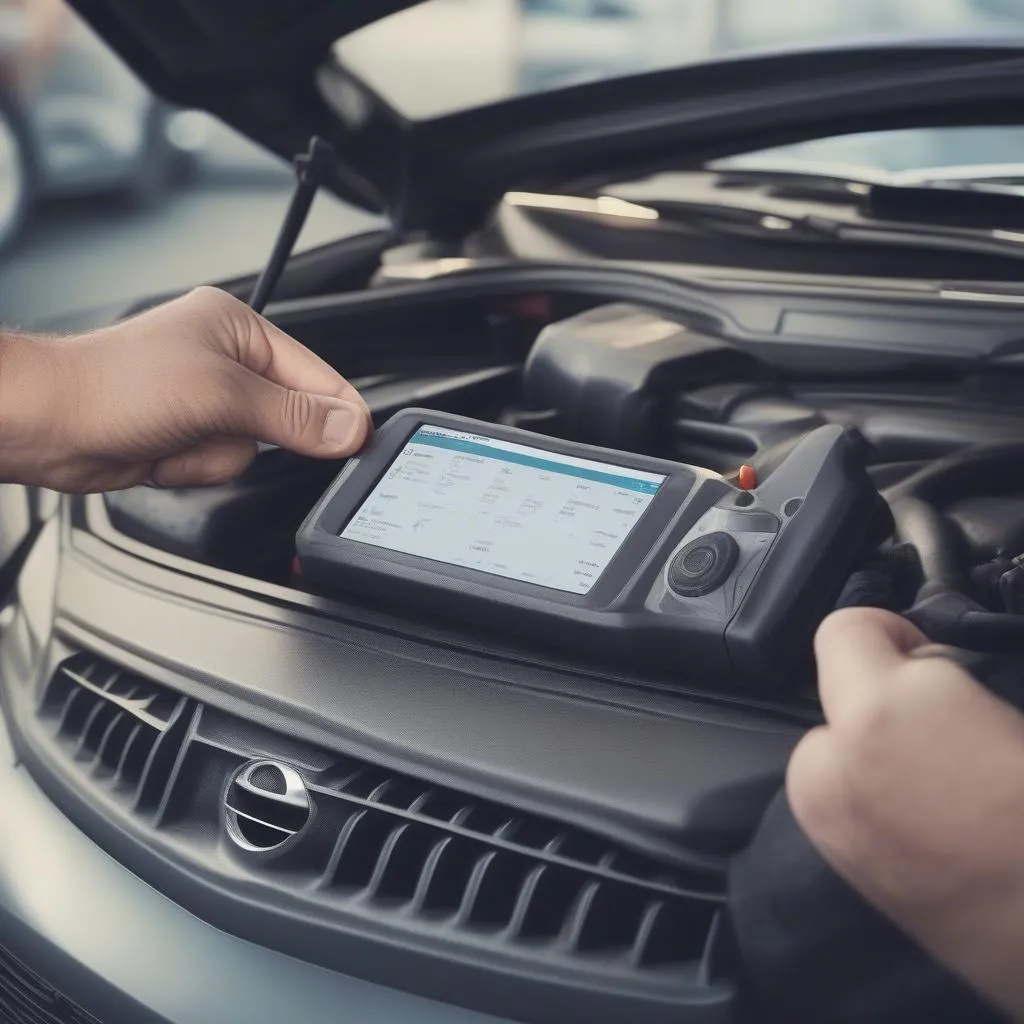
(607, 372)
(245, 525)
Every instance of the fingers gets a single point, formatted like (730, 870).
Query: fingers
(273, 388)
(293, 365)
(264, 348)
(320, 426)
(858, 650)
(213, 462)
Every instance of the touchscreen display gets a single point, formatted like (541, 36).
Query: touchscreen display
(503, 508)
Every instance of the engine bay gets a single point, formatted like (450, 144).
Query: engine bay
(936, 437)
(640, 380)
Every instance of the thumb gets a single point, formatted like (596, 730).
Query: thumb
(317, 425)
(859, 653)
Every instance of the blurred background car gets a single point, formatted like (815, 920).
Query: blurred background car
(75, 121)
(105, 187)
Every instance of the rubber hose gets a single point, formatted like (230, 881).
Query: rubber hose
(971, 471)
(937, 540)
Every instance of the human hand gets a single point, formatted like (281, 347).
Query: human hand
(914, 792)
(177, 396)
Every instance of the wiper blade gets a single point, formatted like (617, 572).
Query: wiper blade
(986, 203)
(784, 227)
(976, 209)
(969, 176)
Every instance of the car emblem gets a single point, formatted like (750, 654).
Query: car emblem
(266, 805)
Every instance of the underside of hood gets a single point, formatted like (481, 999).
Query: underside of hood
(269, 69)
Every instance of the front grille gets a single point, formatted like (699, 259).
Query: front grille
(344, 840)
(481, 866)
(126, 731)
(26, 999)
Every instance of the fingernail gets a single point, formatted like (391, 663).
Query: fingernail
(342, 426)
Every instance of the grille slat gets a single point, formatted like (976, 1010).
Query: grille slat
(473, 886)
(446, 890)
(643, 934)
(155, 776)
(141, 706)
(124, 761)
(110, 743)
(384, 858)
(526, 894)
(577, 919)
(109, 717)
(509, 828)
(377, 794)
(400, 876)
(19, 1006)
(675, 937)
(482, 865)
(25, 998)
(461, 816)
(358, 851)
(77, 711)
(94, 728)
(495, 901)
(556, 893)
(588, 849)
(421, 801)
(112, 677)
(554, 844)
(427, 872)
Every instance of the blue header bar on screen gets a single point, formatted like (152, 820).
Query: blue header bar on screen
(427, 437)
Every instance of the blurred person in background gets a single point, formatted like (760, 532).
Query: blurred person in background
(74, 120)
(46, 21)
(30, 32)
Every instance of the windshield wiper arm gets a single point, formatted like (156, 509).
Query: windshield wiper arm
(783, 227)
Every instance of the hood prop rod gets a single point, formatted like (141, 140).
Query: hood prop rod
(308, 178)
(309, 168)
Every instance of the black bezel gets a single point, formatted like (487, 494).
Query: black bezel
(320, 538)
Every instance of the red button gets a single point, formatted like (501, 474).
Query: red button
(747, 478)
(296, 568)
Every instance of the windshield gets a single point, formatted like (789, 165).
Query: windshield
(447, 55)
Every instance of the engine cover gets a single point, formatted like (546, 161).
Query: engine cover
(607, 373)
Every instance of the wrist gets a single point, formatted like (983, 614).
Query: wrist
(34, 405)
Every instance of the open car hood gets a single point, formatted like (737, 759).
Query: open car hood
(269, 69)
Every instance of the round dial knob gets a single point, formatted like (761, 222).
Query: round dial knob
(703, 565)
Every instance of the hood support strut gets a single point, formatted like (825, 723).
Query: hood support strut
(309, 176)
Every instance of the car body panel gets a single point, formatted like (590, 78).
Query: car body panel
(124, 952)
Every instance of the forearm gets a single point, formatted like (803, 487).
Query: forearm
(177, 396)
(36, 402)
(923, 813)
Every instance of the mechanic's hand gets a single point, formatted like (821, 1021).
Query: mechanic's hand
(914, 792)
(177, 396)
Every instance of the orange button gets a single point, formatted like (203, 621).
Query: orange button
(747, 478)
